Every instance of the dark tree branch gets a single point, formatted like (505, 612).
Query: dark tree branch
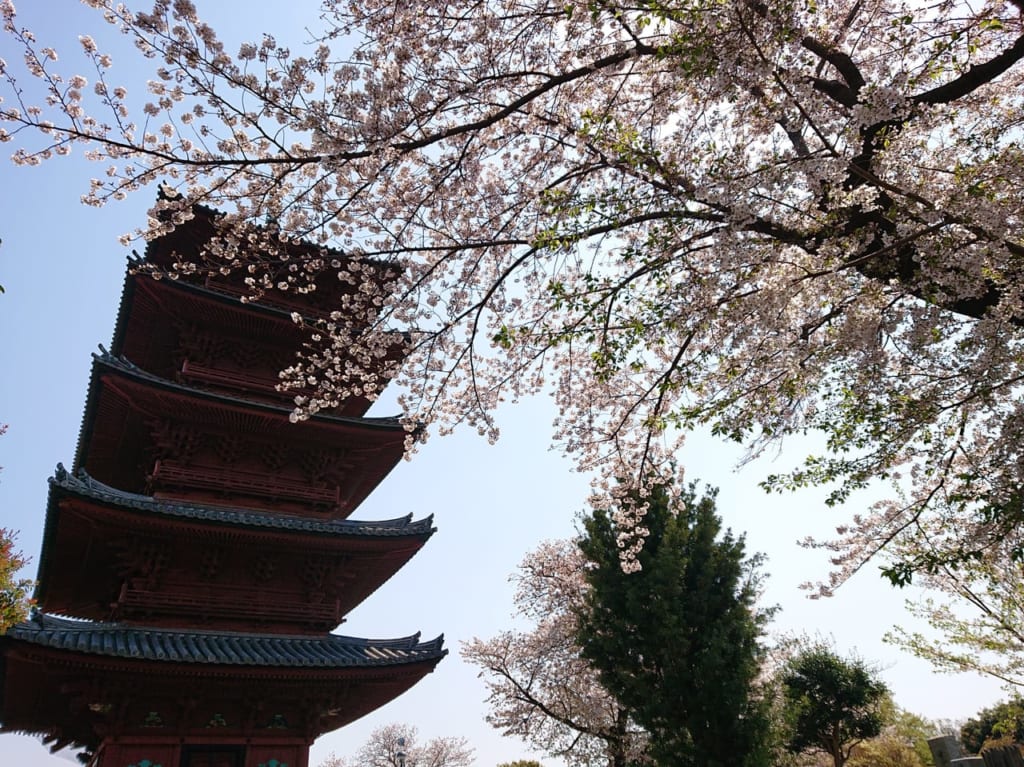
(838, 59)
(836, 91)
(975, 77)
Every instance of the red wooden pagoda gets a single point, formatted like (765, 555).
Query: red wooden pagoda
(200, 552)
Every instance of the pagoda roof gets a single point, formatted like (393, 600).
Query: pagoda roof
(188, 239)
(120, 365)
(85, 486)
(123, 396)
(76, 682)
(329, 651)
(145, 334)
(86, 517)
(136, 267)
(205, 219)
(270, 311)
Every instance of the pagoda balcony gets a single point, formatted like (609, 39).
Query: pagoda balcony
(169, 474)
(245, 381)
(228, 606)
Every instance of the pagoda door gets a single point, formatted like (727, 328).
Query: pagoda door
(213, 757)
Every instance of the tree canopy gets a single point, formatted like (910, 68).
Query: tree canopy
(678, 641)
(832, 704)
(1001, 723)
(978, 620)
(764, 217)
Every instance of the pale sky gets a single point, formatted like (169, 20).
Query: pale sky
(62, 269)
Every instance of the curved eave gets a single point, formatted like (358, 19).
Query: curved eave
(84, 486)
(202, 225)
(277, 315)
(187, 241)
(146, 394)
(404, 532)
(51, 671)
(122, 367)
(272, 314)
(330, 651)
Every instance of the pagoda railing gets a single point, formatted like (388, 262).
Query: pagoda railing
(168, 473)
(262, 605)
(232, 379)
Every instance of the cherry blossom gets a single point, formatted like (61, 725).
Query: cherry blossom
(766, 218)
(539, 688)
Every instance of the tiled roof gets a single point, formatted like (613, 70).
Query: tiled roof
(380, 429)
(122, 365)
(137, 263)
(83, 485)
(223, 648)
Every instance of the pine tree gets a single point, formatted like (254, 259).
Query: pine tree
(677, 642)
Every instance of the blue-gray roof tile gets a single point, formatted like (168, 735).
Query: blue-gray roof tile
(85, 486)
(223, 648)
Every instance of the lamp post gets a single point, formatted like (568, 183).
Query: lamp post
(400, 754)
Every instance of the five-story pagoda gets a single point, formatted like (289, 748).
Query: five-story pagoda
(197, 556)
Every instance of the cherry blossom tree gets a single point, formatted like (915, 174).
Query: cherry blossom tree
(765, 217)
(396, 745)
(978, 624)
(540, 689)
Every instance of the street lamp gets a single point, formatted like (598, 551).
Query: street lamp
(400, 754)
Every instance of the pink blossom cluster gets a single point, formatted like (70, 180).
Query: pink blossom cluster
(764, 218)
(539, 688)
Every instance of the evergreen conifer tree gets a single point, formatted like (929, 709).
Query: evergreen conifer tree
(677, 641)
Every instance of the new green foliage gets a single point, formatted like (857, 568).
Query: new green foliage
(1003, 722)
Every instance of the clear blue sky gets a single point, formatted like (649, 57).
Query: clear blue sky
(62, 269)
